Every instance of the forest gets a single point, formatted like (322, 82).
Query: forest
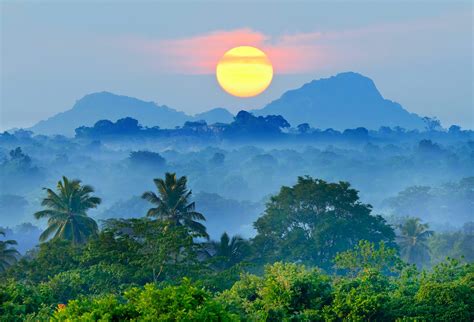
(248, 221)
(319, 254)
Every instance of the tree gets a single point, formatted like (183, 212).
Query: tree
(314, 220)
(146, 159)
(446, 293)
(285, 292)
(67, 212)
(185, 302)
(413, 241)
(457, 244)
(432, 124)
(8, 254)
(161, 250)
(247, 125)
(454, 129)
(368, 255)
(303, 128)
(229, 251)
(173, 206)
(218, 158)
(412, 200)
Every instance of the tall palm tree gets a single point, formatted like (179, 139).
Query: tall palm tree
(8, 254)
(173, 206)
(230, 251)
(413, 241)
(67, 212)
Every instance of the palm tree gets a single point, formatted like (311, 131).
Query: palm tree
(173, 206)
(67, 212)
(230, 251)
(413, 241)
(8, 254)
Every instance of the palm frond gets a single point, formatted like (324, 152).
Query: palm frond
(49, 231)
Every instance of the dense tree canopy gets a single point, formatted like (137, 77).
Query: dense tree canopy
(314, 220)
(158, 267)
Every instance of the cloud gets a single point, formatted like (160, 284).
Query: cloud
(297, 53)
(200, 54)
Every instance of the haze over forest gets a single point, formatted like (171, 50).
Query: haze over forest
(235, 161)
(361, 191)
(401, 163)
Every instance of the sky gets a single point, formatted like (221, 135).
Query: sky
(419, 53)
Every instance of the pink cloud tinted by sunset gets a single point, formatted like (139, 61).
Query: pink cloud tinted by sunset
(292, 53)
(200, 54)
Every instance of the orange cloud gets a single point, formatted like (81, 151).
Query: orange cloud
(200, 54)
(295, 53)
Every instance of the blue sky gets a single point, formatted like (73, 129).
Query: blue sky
(418, 53)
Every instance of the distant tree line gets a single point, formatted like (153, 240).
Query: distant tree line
(248, 126)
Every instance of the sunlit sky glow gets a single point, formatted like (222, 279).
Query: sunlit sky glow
(418, 54)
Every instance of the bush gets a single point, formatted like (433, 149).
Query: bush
(286, 291)
(186, 302)
(20, 300)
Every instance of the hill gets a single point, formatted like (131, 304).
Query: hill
(104, 105)
(347, 100)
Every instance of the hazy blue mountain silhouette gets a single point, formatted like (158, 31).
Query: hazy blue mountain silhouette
(216, 115)
(347, 100)
(108, 106)
(104, 105)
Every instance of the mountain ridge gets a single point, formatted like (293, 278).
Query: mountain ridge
(346, 100)
(321, 103)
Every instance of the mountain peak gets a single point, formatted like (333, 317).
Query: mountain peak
(108, 98)
(346, 86)
(346, 100)
(109, 106)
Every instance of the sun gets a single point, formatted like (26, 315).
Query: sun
(244, 71)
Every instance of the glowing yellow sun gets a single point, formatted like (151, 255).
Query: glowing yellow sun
(244, 71)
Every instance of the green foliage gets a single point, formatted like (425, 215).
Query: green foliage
(229, 251)
(141, 269)
(366, 256)
(446, 293)
(97, 279)
(285, 292)
(413, 241)
(458, 244)
(20, 300)
(314, 220)
(48, 259)
(173, 206)
(186, 302)
(66, 211)
(162, 251)
(8, 254)
(362, 298)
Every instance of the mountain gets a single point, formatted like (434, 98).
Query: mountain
(108, 106)
(104, 105)
(216, 115)
(347, 100)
